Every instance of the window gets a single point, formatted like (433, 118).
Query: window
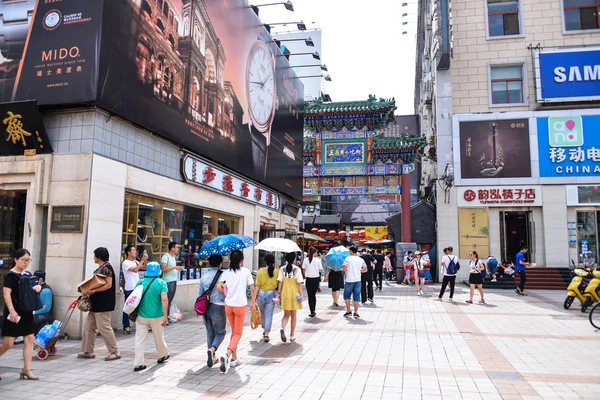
(503, 18)
(581, 14)
(507, 84)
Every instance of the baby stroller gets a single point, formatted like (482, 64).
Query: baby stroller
(45, 340)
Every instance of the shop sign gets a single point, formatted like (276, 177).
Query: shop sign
(500, 196)
(67, 219)
(200, 173)
(568, 74)
(23, 130)
(569, 146)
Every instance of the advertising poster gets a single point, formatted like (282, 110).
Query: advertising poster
(49, 52)
(495, 149)
(569, 146)
(473, 231)
(207, 75)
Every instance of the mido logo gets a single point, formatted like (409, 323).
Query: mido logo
(565, 131)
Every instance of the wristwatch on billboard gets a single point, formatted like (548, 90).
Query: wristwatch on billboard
(14, 26)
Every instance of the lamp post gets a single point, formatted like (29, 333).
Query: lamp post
(326, 77)
(322, 66)
(309, 42)
(287, 4)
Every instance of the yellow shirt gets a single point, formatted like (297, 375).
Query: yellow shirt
(264, 282)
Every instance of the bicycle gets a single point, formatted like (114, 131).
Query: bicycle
(595, 316)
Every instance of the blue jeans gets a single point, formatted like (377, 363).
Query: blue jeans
(352, 289)
(264, 300)
(215, 322)
(126, 323)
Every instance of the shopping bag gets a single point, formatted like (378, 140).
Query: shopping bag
(134, 299)
(255, 320)
(174, 313)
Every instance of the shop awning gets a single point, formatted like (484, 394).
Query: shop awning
(310, 236)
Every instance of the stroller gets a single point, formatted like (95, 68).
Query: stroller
(43, 351)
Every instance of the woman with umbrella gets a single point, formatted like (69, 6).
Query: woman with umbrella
(335, 276)
(290, 294)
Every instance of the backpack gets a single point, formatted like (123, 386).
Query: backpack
(29, 300)
(452, 267)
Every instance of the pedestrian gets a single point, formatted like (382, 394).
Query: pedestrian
(18, 322)
(520, 266)
(418, 264)
(407, 264)
(354, 266)
(366, 278)
(289, 295)
(450, 267)
(131, 276)
(335, 281)
(234, 283)
(45, 314)
(387, 268)
(152, 314)
(266, 292)
(312, 271)
(103, 301)
(492, 267)
(589, 261)
(215, 319)
(378, 269)
(475, 277)
(170, 270)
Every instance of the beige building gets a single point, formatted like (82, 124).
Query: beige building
(509, 95)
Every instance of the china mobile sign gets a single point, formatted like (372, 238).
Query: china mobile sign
(569, 146)
(500, 196)
(200, 173)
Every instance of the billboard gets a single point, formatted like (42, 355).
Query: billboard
(473, 231)
(571, 74)
(495, 149)
(569, 146)
(49, 53)
(207, 75)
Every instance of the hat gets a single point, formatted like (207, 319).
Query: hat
(417, 253)
(40, 274)
(152, 270)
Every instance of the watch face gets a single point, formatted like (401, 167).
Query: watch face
(52, 19)
(260, 86)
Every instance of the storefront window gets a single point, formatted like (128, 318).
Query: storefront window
(587, 234)
(588, 194)
(150, 224)
(12, 218)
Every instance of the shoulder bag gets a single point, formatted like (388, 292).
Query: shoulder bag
(134, 314)
(203, 301)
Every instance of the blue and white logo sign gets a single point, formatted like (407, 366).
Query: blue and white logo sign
(568, 75)
(569, 146)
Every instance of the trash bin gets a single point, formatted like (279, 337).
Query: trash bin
(399, 275)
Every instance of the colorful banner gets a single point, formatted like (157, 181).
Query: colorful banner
(473, 231)
(376, 233)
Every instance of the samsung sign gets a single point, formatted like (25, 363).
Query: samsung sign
(568, 75)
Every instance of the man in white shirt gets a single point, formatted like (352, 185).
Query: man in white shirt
(450, 267)
(131, 268)
(353, 267)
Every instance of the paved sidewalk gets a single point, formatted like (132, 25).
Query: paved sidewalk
(403, 347)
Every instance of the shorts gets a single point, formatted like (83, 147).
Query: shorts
(493, 269)
(352, 289)
(475, 279)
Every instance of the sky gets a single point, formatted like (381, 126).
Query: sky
(363, 45)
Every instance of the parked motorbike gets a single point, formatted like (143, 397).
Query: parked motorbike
(577, 286)
(592, 291)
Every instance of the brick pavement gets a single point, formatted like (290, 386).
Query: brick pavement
(404, 347)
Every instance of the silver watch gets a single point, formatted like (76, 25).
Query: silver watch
(15, 19)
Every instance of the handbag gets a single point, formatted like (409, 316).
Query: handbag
(202, 302)
(84, 304)
(255, 320)
(134, 314)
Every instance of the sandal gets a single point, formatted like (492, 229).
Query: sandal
(139, 368)
(112, 357)
(86, 355)
(267, 339)
(27, 375)
(162, 360)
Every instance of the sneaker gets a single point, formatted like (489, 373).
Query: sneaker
(450, 300)
(312, 314)
(356, 316)
(387, 284)
(481, 301)
(282, 333)
(210, 360)
(292, 338)
(437, 299)
(348, 314)
(422, 293)
(127, 331)
(370, 301)
(517, 291)
(494, 280)
(235, 363)
(225, 363)
(470, 301)
(418, 293)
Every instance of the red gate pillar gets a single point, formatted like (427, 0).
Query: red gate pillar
(406, 223)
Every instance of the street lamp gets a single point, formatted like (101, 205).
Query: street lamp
(309, 42)
(287, 4)
(301, 25)
(322, 66)
(315, 55)
(326, 77)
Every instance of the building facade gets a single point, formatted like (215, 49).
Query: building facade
(509, 95)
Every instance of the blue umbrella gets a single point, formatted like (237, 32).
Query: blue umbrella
(225, 244)
(336, 256)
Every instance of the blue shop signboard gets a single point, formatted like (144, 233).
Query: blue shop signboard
(568, 75)
(569, 146)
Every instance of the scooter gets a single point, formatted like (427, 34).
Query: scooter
(577, 286)
(592, 291)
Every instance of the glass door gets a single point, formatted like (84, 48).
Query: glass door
(587, 234)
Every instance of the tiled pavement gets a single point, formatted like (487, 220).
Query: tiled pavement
(403, 347)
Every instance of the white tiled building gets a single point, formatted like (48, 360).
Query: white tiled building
(509, 93)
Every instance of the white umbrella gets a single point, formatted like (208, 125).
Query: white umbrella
(278, 244)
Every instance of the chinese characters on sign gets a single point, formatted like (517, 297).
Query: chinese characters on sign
(473, 231)
(67, 219)
(500, 196)
(345, 153)
(14, 129)
(24, 130)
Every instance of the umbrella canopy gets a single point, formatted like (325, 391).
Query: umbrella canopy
(278, 244)
(336, 256)
(225, 244)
